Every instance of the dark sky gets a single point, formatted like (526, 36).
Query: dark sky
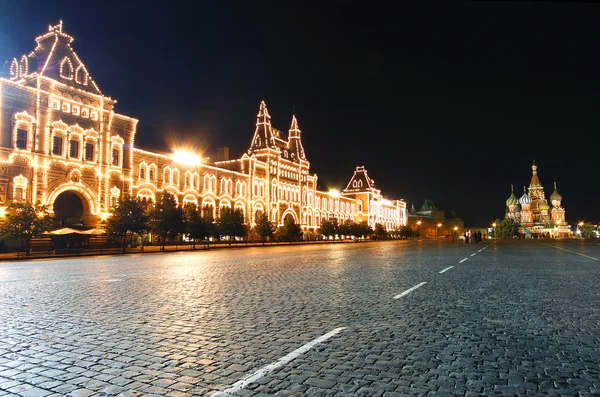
(446, 101)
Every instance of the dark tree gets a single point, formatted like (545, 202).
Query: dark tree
(127, 218)
(506, 228)
(290, 231)
(196, 227)
(329, 227)
(24, 222)
(362, 229)
(231, 223)
(380, 232)
(588, 230)
(264, 227)
(166, 218)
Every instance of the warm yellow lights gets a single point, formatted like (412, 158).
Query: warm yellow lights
(455, 228)
(494, 224)
(419, 223)
(580, 223)
(334, 193)
(104, 216)
(185, 157)
(439, 225)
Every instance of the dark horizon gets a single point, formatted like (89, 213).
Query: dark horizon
(450, 102)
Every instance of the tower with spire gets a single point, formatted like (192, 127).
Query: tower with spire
(532, 211)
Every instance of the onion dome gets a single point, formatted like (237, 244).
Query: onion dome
(544, 207)
(555, 196)
(525, 199)
(512, 199)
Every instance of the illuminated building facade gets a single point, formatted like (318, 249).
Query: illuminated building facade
(533, 212)
(62, 142)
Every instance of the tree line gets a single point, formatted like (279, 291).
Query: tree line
(168, 223)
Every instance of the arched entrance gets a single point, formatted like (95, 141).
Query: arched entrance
(70, 209)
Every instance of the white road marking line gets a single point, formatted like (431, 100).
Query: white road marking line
(473, 254)
(480, 250)
(463, 260)
(446, 269)
(237, 386)
(410, 290)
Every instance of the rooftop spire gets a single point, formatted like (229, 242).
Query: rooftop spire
(263, 134)
(294, 141)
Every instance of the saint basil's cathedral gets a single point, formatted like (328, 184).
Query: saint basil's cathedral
(533, 213)
(63, 145)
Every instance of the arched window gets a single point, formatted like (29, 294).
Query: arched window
(151, 172)
(175, 177)
(66, 69)
(142, 174)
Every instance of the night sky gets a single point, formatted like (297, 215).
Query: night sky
(445, 101)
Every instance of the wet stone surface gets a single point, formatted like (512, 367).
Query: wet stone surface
(517, 318)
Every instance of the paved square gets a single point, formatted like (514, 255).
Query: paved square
(516, 318)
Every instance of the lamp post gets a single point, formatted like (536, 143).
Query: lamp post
(579, 228)
(494, 226)
(436, 230)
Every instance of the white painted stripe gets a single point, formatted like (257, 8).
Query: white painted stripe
(463, 260)
(480, 250)
(237, 386)
(473, 254)
(446, 269)
(410, 290)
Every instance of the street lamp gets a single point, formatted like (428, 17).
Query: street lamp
(436, 230)
(494, 226)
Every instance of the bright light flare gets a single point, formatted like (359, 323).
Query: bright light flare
(186, 157)
(334, 193)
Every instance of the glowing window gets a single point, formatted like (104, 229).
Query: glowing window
(89, 151)
(73, 149)
(21, 139)
(57, 146)
(115, 157)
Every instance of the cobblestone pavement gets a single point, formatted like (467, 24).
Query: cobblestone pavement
(516, 318)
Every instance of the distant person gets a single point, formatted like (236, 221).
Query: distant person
(468, 236)
(479, 236)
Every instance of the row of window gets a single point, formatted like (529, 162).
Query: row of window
(58, 147)
(76, 110)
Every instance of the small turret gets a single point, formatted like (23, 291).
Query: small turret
(294, 141)
(555, 197)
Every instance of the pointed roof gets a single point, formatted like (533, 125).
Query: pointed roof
(512, 199)
(555, 195)
(360, 181)
(263, 134)
(294, 141)
(535, 181)
(54, 57)
(428, 205)
(525, 199)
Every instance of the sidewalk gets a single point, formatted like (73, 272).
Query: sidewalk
(150, 249)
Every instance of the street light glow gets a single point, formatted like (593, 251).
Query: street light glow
(186, 157)
(334, 193)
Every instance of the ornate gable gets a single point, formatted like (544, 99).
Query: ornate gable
(360, 181)
(54, 57)
(263, 134)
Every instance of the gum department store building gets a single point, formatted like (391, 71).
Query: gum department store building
(63, 145)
